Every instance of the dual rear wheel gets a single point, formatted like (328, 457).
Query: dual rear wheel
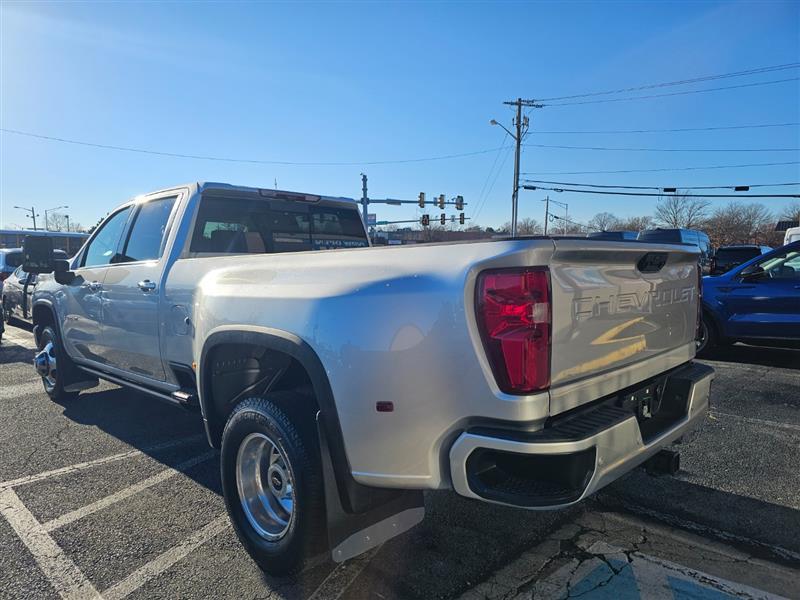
(272, 482)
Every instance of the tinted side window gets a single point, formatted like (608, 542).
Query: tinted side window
(104, 245)
(147, 232)
(13, 259)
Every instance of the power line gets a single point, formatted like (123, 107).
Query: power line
(608, 149)
(245, 160)
(651, 187)
(676, 130)
(605, 192)
(668, 169)
(481, 197)
(649, 96)
(755, 71)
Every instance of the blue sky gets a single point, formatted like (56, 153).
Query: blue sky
(350, 82)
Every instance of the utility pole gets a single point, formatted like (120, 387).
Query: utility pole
(546, 212)
(515, 195)
(32, 214)
(521, 128)
(67, 216)
(364, 200)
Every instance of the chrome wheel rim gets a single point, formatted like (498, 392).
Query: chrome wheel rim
(703, 337)
(46, 365)
(266, 486)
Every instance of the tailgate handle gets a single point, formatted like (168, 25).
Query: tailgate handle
(652, 262)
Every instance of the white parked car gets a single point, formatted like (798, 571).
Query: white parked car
(792, 235)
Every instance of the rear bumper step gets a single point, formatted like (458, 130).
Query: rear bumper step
(576, 456)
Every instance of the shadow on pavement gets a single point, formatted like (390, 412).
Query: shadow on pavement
(460, 542)
(767, 530)
(785, 358)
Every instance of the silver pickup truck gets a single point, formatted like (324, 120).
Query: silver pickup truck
(339, 380)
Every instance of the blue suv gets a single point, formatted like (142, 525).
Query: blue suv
(757, 302)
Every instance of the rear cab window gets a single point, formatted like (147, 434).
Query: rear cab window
(261, 226)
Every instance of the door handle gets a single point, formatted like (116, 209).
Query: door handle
(146, 285)
(94, 286)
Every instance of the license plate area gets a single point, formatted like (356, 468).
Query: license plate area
(658, 404)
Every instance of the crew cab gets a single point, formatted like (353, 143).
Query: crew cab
(340, 380)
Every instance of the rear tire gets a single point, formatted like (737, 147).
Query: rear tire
(709, 338)
(59, 366)
(272, 482)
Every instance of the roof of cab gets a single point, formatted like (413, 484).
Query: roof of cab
(267, 192)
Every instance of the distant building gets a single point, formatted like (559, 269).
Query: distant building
(70, 242)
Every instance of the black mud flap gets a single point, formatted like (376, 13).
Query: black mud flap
(351, 534)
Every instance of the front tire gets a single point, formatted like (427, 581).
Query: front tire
(272, 482)
(53, 365)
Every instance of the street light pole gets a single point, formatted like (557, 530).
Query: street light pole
(521, 128)
(32, 215)
(49, 210)
(515, 193)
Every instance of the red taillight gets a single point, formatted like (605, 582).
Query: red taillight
(514, 315)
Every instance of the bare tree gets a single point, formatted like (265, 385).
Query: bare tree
(526, 226)
(61, 222)
(636, 223)
(791, 212)
(604, 221)
(739, 223)
(681, 211)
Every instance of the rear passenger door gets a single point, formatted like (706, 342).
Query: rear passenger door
(131, 292)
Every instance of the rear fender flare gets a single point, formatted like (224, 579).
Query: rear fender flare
(354, 496)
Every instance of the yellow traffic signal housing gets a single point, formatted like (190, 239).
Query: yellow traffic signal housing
(422, 199)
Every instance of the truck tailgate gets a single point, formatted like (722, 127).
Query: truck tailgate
(622, 312)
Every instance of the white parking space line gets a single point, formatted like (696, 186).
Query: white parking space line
(125, 493)
(100, 461)
(20, 337)
(342, 577)
(754, 421)
(163, 562)
(62, 573)
(11, 392)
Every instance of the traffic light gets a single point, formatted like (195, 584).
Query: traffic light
(426, 220)
(461, 217)
(459, 202)
(422, 199)
(441, 201)
(443, 219)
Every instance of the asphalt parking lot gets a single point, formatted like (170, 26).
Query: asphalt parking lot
(117, 495)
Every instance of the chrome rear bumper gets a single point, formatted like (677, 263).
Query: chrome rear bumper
(606, 440)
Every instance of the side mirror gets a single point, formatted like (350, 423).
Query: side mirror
(62, 274)
(38, 256)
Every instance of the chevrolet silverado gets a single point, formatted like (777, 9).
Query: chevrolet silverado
(340, 380)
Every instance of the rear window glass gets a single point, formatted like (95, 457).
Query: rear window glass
(655, 235)
(240, 226)
(738, 255)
